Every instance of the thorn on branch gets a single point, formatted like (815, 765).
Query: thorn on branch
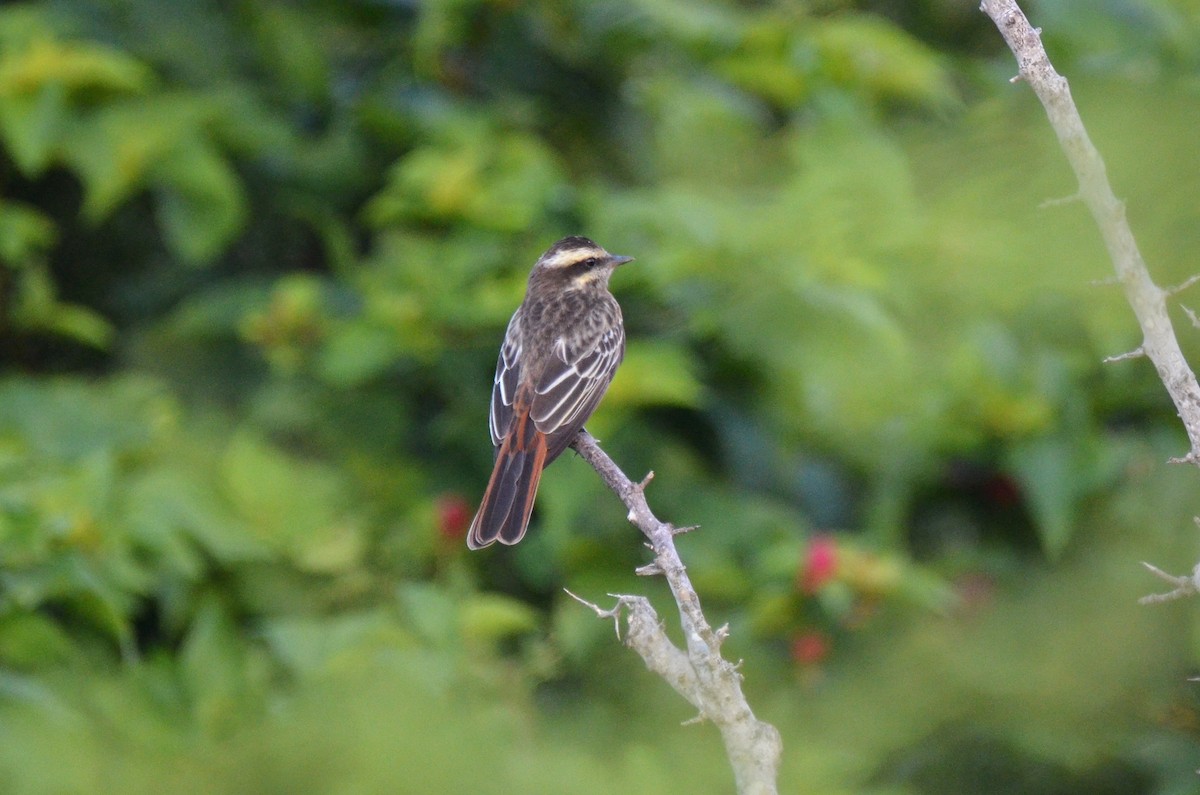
(649, 570)
(1136, 353)
(1186, 283)
(1015, 78)
(1187, 310)
(696, 721)
(645, 481)
(678, 531)
(1191, 458)
(721, 634)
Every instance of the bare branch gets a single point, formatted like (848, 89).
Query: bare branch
(700, 674)
(1184, 586)
(1147, 299)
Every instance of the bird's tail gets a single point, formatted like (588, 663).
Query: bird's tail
(504, 512)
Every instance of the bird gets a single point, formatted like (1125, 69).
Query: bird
(561, 349)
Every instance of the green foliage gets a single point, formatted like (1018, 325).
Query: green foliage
(477, 176)
(255, 263)
(96, 111)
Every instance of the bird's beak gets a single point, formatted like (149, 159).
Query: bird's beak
(616, 260)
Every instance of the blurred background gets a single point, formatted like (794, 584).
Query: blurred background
(256, 259)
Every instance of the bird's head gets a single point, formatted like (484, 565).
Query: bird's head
(577, 263)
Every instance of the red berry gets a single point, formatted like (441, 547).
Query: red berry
(810, 647)
(820, 564)
(453, 516)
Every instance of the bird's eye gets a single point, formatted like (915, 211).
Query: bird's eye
(590, 262)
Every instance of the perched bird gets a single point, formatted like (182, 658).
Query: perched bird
(561, 349)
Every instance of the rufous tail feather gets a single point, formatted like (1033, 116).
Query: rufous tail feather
(508, 501)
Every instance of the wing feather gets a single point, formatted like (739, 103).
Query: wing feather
(571, 386)
(508, 378)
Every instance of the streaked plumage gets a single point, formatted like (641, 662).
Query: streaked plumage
(559, 355)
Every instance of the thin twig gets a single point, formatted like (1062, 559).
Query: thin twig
(1184, 586)
(1183, 285)
(1136, 353)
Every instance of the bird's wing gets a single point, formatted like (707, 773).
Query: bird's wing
(508, 376)
(572, 384)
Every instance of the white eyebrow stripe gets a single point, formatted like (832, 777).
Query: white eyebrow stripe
(562, 259)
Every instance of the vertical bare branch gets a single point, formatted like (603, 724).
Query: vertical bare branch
(701, 675)
(1147, 299)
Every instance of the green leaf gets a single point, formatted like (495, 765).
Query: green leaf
(33, 127)
(213, 662)
(40, 87)
(1049, 472)
(36, 308)
(497, 181)
(291, 505)
(118, 148)
(74, 65)
(356, 353)
(878, 58)
(161, 143)
(294, 48)
(199, 199)
(24, 233)
(491, 617)
(176, 514)
(31, 640)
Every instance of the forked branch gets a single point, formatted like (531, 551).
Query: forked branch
(700, 674)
